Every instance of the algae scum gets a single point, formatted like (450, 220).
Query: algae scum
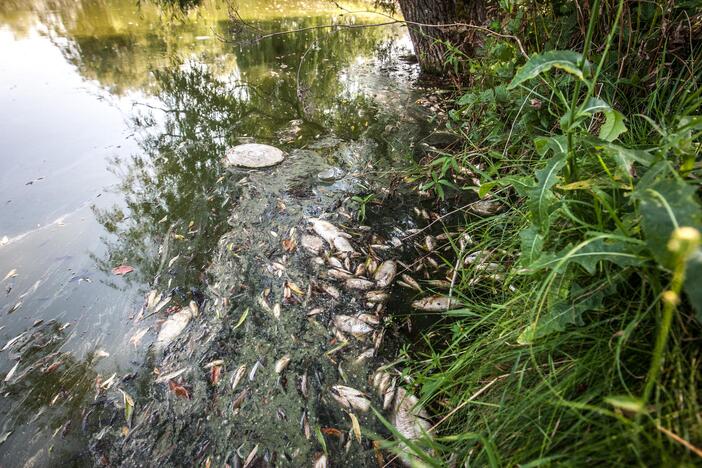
(122, 224)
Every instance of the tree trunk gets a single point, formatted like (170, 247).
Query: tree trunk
(419, 13)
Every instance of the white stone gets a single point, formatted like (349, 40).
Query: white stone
(254, 156)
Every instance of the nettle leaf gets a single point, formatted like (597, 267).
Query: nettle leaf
(664, 206)
(589, 253)
(624, 157)
(532, 244)
(566, 60)
(693, 273)
(540, 197)
(611, 250)
(613, 126)
(593, 106)
(562, 314)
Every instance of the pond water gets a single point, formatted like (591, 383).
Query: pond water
(114, 118)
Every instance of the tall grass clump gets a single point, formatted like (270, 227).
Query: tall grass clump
(582, 343)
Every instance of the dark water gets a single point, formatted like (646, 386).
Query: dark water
(114, 118)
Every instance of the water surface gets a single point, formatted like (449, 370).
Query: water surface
(114, 117)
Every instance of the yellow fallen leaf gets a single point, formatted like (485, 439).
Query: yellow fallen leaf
(356, 427)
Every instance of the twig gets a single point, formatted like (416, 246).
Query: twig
(396, 21)
(680, 440)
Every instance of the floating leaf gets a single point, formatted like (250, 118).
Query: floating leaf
(128, 407)
(242, 319)
(355, 427)
(566, 60)
(179, 390)
(122, 270)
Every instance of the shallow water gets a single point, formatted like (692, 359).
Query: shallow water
(113, 121)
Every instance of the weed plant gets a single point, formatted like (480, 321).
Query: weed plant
(586, 348)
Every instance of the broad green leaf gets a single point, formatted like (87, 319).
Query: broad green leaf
(540, 197)
(557, 144)
(666, 205)
(566, 60)
(593, 106)
(624, 157)
(613, 126)
(532, 244)
(562, 314)
(616, 251)
(693, 273)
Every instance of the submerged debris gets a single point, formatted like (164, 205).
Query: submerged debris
(254, 156)
(172, 327)
(350, 398)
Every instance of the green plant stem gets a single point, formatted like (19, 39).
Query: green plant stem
(669, 307)
(572, 167)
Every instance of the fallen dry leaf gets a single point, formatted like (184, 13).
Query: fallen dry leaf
(331, 431)
(122, 270)
(215, 374)
(179, 390)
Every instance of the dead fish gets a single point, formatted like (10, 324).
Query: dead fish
(359, 283)
(11, 373)
(236, 378)
(410, 420)
(364, 356)
(371, 265)
(312, 244)
(252, 374)
(369, 319)
(194, 308)
(171, 375)
(439, 284)
(343, 245)
(321, 462)
(339, 274)
(282, 363)
(430, 243)
(136, 338)
(385, 274)
(15, 307)
(352, 325)
(435, 304)
(389, 394)
(162, 304)
(315, 311)
(252, 456)
(101, 353)
(152, 299)
(331, 290)
(13, 341)
(486, 207)
(350, 398)
(335, 262)
(305, 423)
(411, 282)
(377, 297)
(11, 274)
(171, 328)
(303, 385)
(276, 310)
(360, 270)
(239, 400)
(330, 233)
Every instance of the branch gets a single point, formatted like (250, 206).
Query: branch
(390, 23)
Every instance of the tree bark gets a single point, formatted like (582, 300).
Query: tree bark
(430, 52)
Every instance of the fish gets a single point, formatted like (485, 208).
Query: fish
(359, 283)
(312, 244)
(332, 235)
(11, 373)
(377, 297)
(171, 375)
(339, 275)
(282, 363)
(13, 341)
(435, 304)
(350, 398)
(410, 420)
(353, 325)
(171, 328)
(236, 378)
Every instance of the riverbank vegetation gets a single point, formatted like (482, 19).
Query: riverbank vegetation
(578, 339)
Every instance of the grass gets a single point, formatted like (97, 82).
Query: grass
(586, 348)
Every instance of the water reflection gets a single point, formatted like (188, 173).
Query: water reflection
(185, 96)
